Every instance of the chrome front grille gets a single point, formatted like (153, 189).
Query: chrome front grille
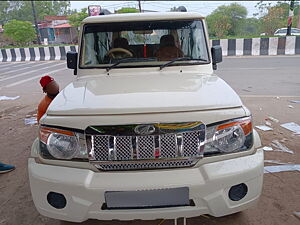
(144, 146)
(164, 146)
(145, 165)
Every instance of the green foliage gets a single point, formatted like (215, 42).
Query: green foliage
(4, 5)
(275, 17)
(76, 18)
(231, 20)
(127, 10)
(22, 10)
(226, 20)
(218, 25)
(21, 32)
(250, 26)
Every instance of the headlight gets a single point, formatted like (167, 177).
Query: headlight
(230, 136)
(61, 144)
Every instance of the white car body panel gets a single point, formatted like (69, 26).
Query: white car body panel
(208, 184)
(140, 93)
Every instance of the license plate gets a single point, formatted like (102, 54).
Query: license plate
(147, 198)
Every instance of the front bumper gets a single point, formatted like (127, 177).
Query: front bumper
(208, 186)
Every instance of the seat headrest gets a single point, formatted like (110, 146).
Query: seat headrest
(167, 40)
(121, 43)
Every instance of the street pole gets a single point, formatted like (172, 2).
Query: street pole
(290, 18)
(298, 24)
(140, 7)
(35, 23)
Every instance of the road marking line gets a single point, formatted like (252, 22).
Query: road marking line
(33, 71)
(5, 65)
(32, 78)
(21, 63)
(26, 67)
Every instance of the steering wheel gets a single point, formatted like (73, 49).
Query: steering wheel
(116, 53)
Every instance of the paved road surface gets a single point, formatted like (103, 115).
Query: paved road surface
(257, 79)
(278, 75)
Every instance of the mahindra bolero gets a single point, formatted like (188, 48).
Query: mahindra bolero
(147, 130)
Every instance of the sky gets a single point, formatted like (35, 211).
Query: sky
(202, 7)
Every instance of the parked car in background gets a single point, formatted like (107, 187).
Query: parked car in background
(282, 31)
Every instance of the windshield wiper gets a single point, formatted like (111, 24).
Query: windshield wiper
(128, 60)
(178, 59)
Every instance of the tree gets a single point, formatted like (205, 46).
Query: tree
(76, 18)
(227, 18)
(22, 10)
(218, 25)
(4, 5)
(21, 32)
(250, 26)
(274, 17)
(127, 10)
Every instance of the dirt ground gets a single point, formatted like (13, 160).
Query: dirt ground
(280, 196)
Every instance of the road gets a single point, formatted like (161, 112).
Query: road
(264, 75)
(265, 84)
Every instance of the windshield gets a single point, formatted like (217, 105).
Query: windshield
(146, 43)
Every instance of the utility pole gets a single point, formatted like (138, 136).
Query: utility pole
(140, 7)
(290, 18)
(35, 23)
(298, 24)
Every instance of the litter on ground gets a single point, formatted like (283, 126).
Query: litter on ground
(282, 168)
(8, 98)
(293, 101)
(294, 127)
(267, 149)
(30, 121)
(264, 127)
(280, 147)
(273, 119)
(275, 162)
(290, 106)
(268, 123)
(297, 214)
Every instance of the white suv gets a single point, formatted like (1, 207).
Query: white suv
(146, 130)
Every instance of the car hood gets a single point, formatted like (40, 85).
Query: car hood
(144, 94)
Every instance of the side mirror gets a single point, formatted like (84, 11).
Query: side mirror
(72, 61)
(216, 53)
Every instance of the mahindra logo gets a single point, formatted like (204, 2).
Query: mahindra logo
(144, 129)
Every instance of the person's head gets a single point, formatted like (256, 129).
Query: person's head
(121, 43)
(167, 41)
(49, 85)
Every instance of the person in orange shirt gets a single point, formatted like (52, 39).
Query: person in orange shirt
(51, 88)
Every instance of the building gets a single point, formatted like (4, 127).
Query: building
(57, 30)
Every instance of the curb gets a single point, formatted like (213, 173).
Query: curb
(36, 53)
(259, 46)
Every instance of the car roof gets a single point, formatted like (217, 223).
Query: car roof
(127, 17)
